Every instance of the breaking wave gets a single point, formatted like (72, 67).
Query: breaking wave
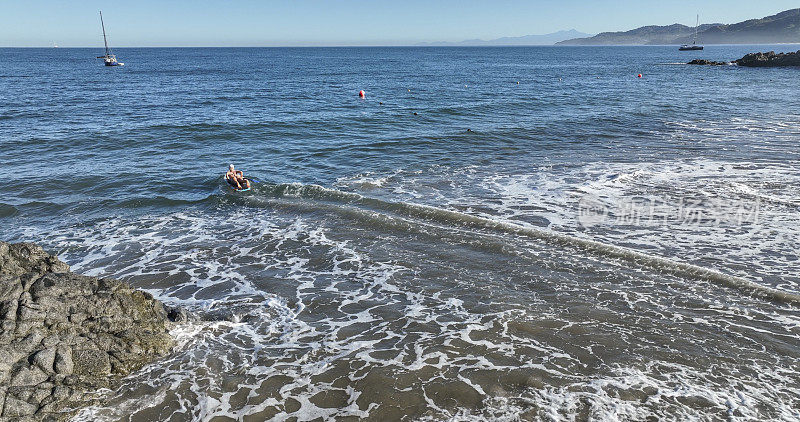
(456, 218)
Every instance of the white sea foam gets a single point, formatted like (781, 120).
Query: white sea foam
(309, 319)
(740, 216)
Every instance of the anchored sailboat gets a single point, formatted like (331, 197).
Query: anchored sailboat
(109, 59)
(693, 46)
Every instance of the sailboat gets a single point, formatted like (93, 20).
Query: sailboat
(109, 59)
(693, 46)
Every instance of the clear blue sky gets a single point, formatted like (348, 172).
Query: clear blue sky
(25, 23)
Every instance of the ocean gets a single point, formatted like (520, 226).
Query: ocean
(527, 233)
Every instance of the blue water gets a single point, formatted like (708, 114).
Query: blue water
(169, 121)
(519, 153)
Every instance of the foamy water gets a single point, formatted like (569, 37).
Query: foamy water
(596, 246)
(309, 321)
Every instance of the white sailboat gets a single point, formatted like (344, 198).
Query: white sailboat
(109, 59)
(693, 46)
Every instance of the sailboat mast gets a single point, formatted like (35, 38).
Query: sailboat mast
(105, 41)
(695, 28)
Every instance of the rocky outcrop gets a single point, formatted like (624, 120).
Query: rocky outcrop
(703, 62)
(770, 59)
(64, 336)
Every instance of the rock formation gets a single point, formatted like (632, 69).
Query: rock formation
(703, 62)
(64, 336)
(770, 59)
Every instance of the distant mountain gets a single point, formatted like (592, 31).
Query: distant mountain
(781, 28)
(640, 36)
(546, 39)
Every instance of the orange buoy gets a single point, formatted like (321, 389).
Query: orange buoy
(362, 94)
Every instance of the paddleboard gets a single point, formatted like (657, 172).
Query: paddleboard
(239, 190)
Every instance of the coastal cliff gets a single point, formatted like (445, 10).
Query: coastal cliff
(64, 336)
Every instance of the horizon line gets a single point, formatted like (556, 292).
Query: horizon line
(422, 45)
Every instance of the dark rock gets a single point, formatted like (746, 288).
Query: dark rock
(703, 62)
(770, 59)
(178, 314)
(63, 335)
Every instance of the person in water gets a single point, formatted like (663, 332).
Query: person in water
(236, 178)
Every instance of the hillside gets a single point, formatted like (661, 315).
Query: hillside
(783, 27)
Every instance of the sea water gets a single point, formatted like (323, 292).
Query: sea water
(491, 234)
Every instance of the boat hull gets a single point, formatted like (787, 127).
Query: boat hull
(692, 48)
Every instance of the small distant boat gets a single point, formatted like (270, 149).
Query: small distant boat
(693, 46)
(109, 59)
(55, 45)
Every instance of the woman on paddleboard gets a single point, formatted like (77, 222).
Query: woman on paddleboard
(236, 179)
